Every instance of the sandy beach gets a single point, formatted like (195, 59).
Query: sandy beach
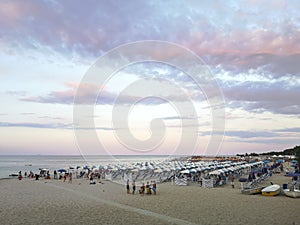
(56, 202)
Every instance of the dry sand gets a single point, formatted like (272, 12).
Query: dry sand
(54, 202)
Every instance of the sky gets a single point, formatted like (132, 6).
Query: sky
(117, 61)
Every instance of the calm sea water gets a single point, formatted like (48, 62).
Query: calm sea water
(14, 164)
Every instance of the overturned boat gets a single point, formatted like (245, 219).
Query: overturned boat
(252, 190)
(271, 190)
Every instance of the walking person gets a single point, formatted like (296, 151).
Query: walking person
(127, 187)
(154, 187)
(70, 178)
(232, 180)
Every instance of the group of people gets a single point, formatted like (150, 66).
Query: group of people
(149, 188)
(70, 175)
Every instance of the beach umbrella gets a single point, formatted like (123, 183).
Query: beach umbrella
(185, 171)
(166, 170)
(193, 171)
(158, 171)
(71, 168)
(61, 170)
(294, 161)
(215, 172)
(86, 167)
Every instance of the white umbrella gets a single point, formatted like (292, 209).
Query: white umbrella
(215, 172)
(193, 171)
(135, 170)
(185, 171)
(158, 171)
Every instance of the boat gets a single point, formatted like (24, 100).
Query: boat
(294, 193)
(252, 190)
(13, 175)
(271, 190)
(294, 190)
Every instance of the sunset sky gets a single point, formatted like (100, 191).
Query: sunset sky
(252, 50)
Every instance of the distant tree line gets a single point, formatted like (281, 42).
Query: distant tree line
(291, 151)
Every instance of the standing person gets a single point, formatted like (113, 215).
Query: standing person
(127, 187)
(20, 175)
(154, 187)
(70, 178)
(148, 190)
(65, 177)
(55, 174)
(232, 180)
(92, 178)
(133, 187)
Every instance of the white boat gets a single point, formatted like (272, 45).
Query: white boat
(271, 190)
(294, 193)
(294, 190)
(252, 190)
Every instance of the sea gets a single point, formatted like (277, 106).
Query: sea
(12, 164)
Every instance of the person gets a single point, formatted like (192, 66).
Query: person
(20, 175)
(55, 174)
(65, 177)
(133, 187)
(250, 177)
(70, 178)
(92, 179)
(281, 167)
(232, 180)
(148, 190)
(142, 189)
(48, 175)
(154, 187)
(127, 187)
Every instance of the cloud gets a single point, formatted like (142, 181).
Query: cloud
(245, 134)
(288, 130)
(96, 94)
(68, 126)
(177, 118)
(210, 28)
(86, 96)
(233, 38)
(270, 65)
(278, 97)
(27, 113)
(16, 93)
(36, 125)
